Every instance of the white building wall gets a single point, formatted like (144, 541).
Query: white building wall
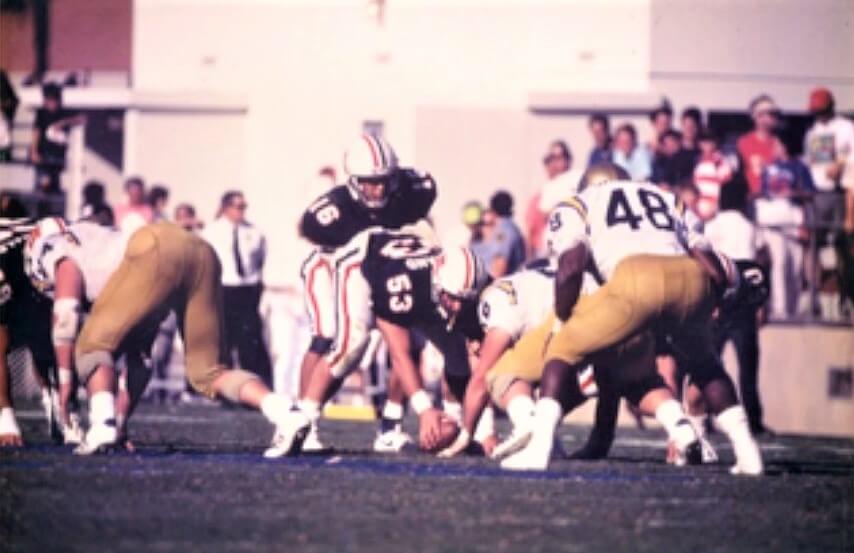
(453, 82)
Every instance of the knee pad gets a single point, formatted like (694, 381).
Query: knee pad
(86, 363)
(230, 389)
(320, 345)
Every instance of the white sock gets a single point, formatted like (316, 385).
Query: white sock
(47, 405)
(275, 406)
(392, 410)
(520, 409)
(8, 424)
(453, 409)
(486, 425)
(733, 423)
(102, 408)
(698, 423)
(310, 409)
(673, 419)
(547, 415)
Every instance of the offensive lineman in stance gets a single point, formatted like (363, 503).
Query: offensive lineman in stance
(630, 235)
(164, 267)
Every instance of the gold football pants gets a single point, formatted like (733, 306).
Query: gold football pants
(164, 267)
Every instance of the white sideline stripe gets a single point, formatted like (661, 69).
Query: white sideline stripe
(147, 417)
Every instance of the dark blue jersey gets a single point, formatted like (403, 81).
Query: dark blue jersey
(336, 217)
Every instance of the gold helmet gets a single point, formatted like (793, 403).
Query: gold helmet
(600, 173)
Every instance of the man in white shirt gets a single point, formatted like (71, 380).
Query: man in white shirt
(829, 147)
(241, 249)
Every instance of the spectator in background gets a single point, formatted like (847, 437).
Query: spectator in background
(758, 148)
(136, 212)
(50, 139)
(468, 232)
(185, 216)
(828, 148)
(94, 194)
(711, 173)
(241, 249)
(628, 155)
(562, 181)
(692, 123)
(505, 241)
(785, 184)
(8, 106)
(661, 119)
(495, 248)
(600, 130)
(733, 234)
(158, 197)
(672, 165)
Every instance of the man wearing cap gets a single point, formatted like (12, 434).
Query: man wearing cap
(759, 147)
(829, 147)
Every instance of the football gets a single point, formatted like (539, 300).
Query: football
(449, 432)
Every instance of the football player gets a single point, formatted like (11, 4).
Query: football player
(631, 235)
(507, 309)
(25, 321)
(395, 280)
(163, 267)
(378, 193)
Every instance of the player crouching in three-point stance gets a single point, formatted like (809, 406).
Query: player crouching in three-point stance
(164, 267)
(632, 237)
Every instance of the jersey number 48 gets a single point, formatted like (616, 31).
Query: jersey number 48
(653, 206)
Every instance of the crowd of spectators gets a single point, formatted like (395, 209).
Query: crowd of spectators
(798, 203)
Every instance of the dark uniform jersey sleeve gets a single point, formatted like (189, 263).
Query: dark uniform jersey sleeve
(333, 219)
(412, 200)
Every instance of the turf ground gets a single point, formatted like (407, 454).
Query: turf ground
(198, 483)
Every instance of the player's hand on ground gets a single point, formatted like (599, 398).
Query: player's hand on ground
(460, 444)
(429, 428)
(11, 440)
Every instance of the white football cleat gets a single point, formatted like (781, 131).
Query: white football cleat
(73, 432)
(748, 460)
(529, 458)
(391, 441)
(515, 442)
(312, 443)
(289, 436)
(100, 438)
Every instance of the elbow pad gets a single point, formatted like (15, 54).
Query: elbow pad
(66, 320)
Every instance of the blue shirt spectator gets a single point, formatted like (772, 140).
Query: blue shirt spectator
(635, 159)
(503, 248)
(600, 130)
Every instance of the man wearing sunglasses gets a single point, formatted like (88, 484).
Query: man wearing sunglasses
(241, 248)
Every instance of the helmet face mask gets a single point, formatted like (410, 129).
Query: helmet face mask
(373, 191)
(372, 170)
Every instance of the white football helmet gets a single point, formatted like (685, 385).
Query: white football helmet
(370, 159)
(459, 273)
(46, 245)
